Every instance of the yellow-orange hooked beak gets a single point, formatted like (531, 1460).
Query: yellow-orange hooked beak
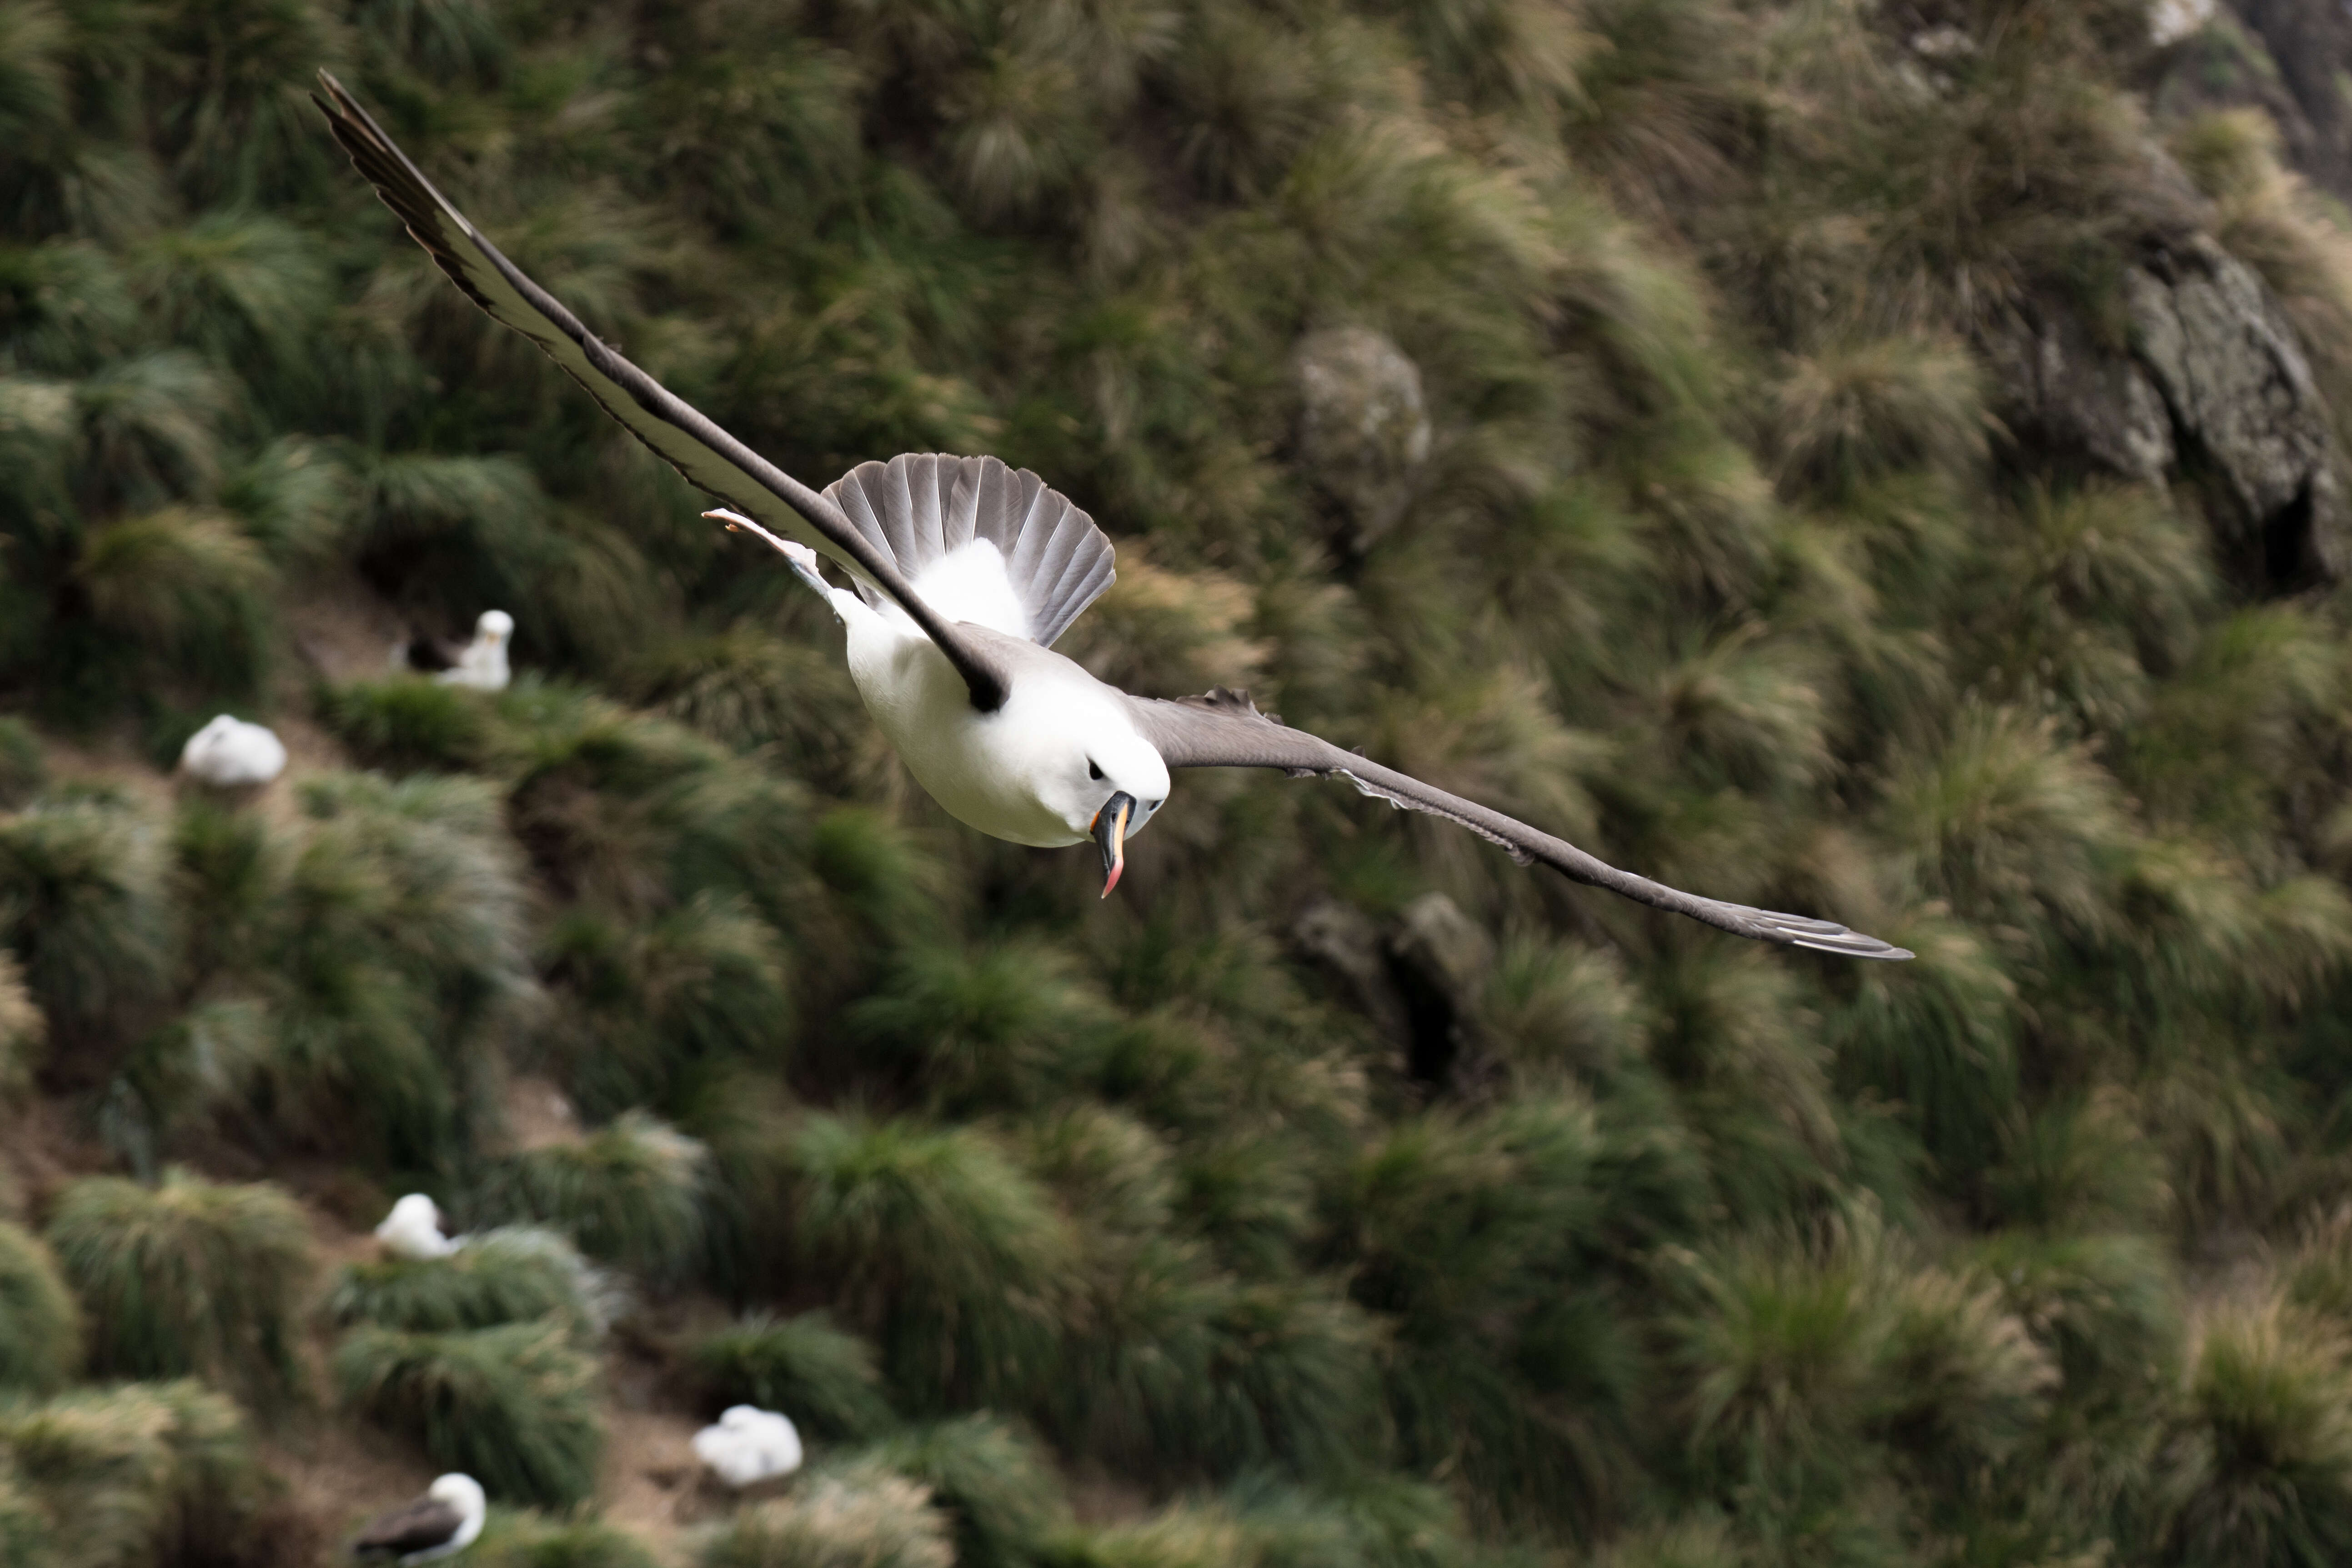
(1109, 829)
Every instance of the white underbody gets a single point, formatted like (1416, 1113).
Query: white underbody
(989, 770)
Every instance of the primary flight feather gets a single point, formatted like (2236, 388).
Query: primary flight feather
(964, 572)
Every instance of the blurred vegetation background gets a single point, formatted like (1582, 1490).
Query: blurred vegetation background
(1879, 458)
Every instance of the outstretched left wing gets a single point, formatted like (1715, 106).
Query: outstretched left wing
(1225, 730)
(708, 456)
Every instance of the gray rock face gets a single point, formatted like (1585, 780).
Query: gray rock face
(2074, 394)
(2214, 378)
(2233, 375)
(1363, 426)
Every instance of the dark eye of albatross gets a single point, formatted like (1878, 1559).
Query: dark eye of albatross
(1094, 770)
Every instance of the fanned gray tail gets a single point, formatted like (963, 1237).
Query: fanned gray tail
(919, 506)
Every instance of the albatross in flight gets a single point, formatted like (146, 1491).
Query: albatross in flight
(964, 573)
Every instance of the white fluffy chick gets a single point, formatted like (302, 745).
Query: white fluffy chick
(413, 1229)
(483, 664)
(750, 1445)
(229, 753)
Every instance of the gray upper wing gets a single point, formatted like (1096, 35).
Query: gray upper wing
(418, 1526)
(712, 460)
(1225, 730)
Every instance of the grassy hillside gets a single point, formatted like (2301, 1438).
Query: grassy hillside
(1872, 458)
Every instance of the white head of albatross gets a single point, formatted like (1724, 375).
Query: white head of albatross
(446, 1521)
(1088, 766)
(413, 1230)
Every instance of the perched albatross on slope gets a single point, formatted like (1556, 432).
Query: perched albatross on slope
(748, 1445)
(965, 571)
(481, 664)
(442, 1523)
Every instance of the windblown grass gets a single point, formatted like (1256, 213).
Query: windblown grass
(864, 1517)
(995, 1483)
(23, 1033)
(940, 1246)
(630, 1193)
(512, 1275)
(140, 1473)
(187, 1277)
(40, 1327)
(516, 1408)
(527, 1540)
(823, 1378)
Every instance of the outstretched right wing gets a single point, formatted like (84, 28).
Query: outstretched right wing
(712, 460)
(1225, 730)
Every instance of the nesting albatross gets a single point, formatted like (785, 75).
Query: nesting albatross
(964, 574)
(443, 1522)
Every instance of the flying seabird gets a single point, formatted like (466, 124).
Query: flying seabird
(413, 1230)
(965, 572)
(481, 664)
(230, 754)
(748, 1446)
(441, 1523)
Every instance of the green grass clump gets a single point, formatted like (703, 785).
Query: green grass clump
(995, 1482)
(630, 1193)
(187, 1277)
(22, 1033)
(516, 1408)
(40, 1327)
(85, 907)
(143, 1473)
(527, 1540)
(23, 770)
(823, 1378)
(512, 1275)
(2259, 1468)
(950, 1256)
(26, 1541)
(864, 1517)
(407, 722)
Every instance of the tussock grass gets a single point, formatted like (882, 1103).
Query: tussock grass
(630, 1193)
(512, 1275)
(40, 1327)
(140, 1473)
(23, 769)
(991, 1025)
(861, 1517)
(85, 907)
(407, 722)
(516, 1407)
(946, 1251)
(824, 1379)
(996, 1484)
(527, 1540)
(187, 1277)
(2260, 1470)
(22, 1033)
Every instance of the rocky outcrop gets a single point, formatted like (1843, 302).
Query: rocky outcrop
(1363, 427)
(2210, 381)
